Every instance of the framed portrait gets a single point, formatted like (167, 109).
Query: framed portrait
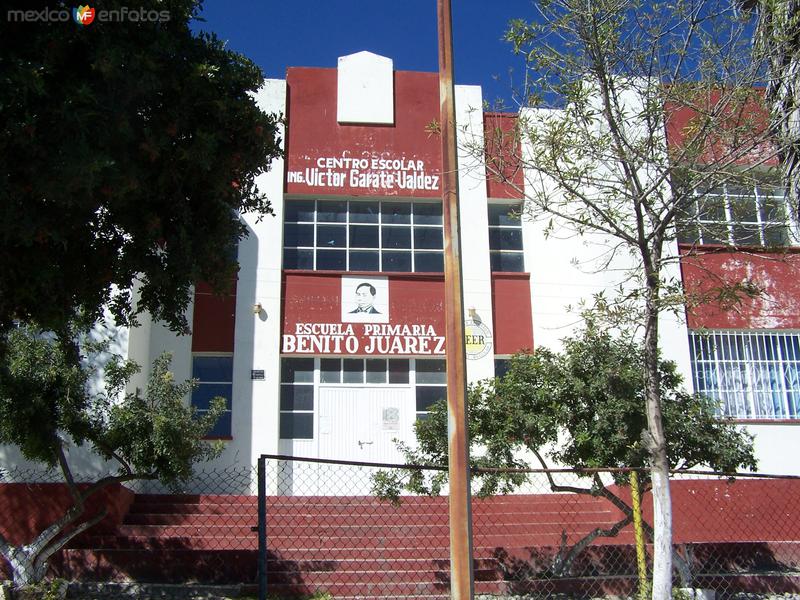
(365, 299)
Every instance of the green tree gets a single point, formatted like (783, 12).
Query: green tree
(582, 408)
(128, 150)
(49, 401)
(606, 82)
(778, 42)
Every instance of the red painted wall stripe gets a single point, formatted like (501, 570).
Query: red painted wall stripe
(511, 312)
(778, 275)
(503, 151)
(314, 297)
(314, 135)
(214, 320)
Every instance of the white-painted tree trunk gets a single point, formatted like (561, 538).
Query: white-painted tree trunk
(662, 542)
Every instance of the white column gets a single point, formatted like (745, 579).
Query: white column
(476, 270)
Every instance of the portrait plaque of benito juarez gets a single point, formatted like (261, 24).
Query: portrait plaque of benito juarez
(365, 299)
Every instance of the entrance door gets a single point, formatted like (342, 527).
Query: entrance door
(361, 423)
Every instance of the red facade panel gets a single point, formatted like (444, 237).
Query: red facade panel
(318, 314)
(503, 152)
(776, 275)
(324, 157)
(213, 322)
(749, 117)
(511, 312)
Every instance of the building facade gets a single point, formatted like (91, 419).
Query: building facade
(331, 342)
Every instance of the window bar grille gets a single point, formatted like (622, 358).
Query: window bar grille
(752, 374)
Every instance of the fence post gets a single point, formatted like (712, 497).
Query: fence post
(638, 533)
(262, 528)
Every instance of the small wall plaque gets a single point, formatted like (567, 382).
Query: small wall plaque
(257, 375)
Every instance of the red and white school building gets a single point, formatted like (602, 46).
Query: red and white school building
(332, 343)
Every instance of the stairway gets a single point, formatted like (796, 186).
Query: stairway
(349, 546)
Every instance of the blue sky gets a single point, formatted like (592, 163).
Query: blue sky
(280, 34)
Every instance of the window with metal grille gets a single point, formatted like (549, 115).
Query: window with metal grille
(505, 238)
(363, 235)
(214, 376)
(738, 216)
(752, 374)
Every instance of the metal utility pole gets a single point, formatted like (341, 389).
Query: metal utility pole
(461, 575)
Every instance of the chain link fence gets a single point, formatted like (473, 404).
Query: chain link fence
(560, 534)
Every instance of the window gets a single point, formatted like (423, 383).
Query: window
(431, 385)
(753, 375)
(214, 375)
(505, 238)
(738, 216)
(425, 380)
(297, 399)
(501, 366)
(359, 235)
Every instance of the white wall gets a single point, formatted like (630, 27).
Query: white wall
(254, 415)
(474, 221)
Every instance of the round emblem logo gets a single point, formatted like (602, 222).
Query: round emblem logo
(478, 339)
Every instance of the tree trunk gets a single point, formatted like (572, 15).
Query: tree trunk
(25, 568)
(657, 442)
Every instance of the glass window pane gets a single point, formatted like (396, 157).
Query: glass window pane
(364, 212)
(431, 371)
(398, 370)
(746, 235)
(504, 214)
(397, 261)
(428, 237)
(298, 235)
(744, 210)
(428, 395)
(204, 393)
(297, 397)
(505, 239)
(509, 262)
(353, 370)
(298, 259)
(297, 370)
(712, 208)
(331, 236)
(688, 233)
(396, 237)
(736, 190)
(428, 213)
(501, 366)
(331, 260)
(772, 209)
(212, 368)
(361, 260)
(297, 426)
(776, 235)
(376, 370)
(299, 210)
(714, 233)
(330, 370)
(428, 262)
(331, 211)
(363, 236)
(396, 212)
(222, 428)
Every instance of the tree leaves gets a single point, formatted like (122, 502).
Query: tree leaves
(583, 408)
(129, 149)
(47, 399)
